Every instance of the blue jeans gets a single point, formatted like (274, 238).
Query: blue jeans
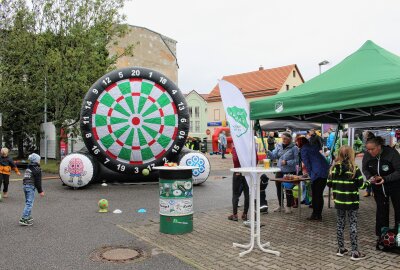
(29, 191)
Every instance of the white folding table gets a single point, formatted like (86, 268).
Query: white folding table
(255, 196)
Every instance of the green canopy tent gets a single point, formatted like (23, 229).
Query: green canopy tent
(365, 86)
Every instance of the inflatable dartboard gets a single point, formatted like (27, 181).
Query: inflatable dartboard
(77, 170)
(134, 119)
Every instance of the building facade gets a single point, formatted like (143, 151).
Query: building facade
(198, 114)
(151, 50)
(254, 85)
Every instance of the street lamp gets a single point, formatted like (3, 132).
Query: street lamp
(323, 63)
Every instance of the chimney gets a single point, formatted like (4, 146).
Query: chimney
(261, 67)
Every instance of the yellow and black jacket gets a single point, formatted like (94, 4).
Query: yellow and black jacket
(345, 186)
(6, 165)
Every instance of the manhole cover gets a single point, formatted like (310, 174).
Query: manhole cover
(117, 254)
(120, 254)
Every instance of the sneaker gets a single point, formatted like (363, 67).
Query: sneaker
(244, 217)
(288, 210)
(367, 194)
(341, 252)
(233, 217)
(264, 209)
(25, 222)
(30, 219)
(357, 255)
(5, 194)
(277, 209)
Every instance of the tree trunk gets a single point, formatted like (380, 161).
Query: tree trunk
(20, 142)
(58, 137)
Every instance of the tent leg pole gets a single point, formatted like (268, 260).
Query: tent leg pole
(333, 156)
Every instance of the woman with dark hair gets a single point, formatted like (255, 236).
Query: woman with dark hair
(381, 165)
(318, 169)
(286, 153)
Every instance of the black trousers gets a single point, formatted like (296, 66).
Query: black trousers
(317, 190)
(5, 179)
(289, 192)
(263, 187)
(239, 184)
(382, 207)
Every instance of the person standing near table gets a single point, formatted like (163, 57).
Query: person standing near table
(287, 155)
(317, 168)
(271, 141)
(315, 139)
(239, 184)
(381, 165)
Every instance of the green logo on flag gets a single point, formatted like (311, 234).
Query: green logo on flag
(240, 116)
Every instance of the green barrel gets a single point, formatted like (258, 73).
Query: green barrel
(176, 201)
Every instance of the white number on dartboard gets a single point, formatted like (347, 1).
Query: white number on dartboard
(175, 149)
(135, 72)
(85, 120)
(95, 150)
(106, 80)
(182, 134)
(121, 167)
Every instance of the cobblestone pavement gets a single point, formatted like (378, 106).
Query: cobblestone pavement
(303, 244)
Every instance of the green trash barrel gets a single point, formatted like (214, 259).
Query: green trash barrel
(176, 200)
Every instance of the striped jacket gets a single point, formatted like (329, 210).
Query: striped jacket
(345, 187)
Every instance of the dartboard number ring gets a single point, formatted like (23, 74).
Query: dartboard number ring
(134, 119)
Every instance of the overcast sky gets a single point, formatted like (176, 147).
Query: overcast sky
(224, 37)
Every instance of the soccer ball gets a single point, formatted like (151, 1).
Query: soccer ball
(389, 239)
(103, 205)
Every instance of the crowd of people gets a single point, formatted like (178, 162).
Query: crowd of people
(333, 165)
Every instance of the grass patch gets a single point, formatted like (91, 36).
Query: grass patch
(52, 166)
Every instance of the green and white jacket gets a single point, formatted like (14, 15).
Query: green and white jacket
(345, 187)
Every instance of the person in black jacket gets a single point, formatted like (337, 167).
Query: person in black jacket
(32, 181)
(381, 164)
(315, 139)
(345, 179)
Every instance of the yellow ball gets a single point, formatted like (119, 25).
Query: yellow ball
(145, 172)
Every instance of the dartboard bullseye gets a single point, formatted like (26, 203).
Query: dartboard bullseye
(134, 118)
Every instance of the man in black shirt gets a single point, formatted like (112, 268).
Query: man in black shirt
(315, 139)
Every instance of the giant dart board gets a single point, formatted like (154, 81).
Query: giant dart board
(134, 119)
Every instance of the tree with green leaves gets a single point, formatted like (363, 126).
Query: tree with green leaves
(52, 52)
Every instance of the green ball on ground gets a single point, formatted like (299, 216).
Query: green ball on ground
(103, 205)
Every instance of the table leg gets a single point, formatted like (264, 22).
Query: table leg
(261, 246)
(255, 197)
(249, 246)
(299, 195)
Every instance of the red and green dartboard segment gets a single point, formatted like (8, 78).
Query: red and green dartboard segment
(134, 118)
(135, 121)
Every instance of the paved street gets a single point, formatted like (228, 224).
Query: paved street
(68, 230)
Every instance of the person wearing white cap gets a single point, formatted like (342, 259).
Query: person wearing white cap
(32, 181)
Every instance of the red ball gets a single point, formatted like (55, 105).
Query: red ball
(389, 239)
